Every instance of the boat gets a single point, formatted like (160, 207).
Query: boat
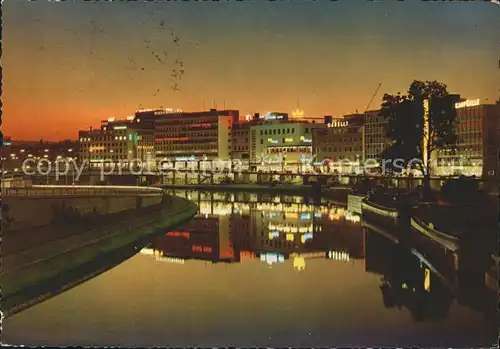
(446, 240)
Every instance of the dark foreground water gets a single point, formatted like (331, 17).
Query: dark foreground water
(266, 271)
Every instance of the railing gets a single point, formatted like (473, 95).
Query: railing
(367, 205)
(452, 243)
(81, 190)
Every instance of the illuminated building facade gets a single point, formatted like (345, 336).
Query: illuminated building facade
(375, 137)
(342, 140)
(286, 143)
(240, 143)
(478, 131)
(97, 146)
(117, 141)
(236, 228)
(181, 135)
(14, 153)
(201, 238)
(145, 151)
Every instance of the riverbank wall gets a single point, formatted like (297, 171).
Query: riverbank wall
(25, 269)
(43, 205)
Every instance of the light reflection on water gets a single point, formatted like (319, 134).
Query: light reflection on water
(260, 270)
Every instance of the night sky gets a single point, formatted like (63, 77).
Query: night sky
(69, 65)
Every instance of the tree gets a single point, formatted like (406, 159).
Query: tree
(405, 115)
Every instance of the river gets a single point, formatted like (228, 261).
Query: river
(263, 270)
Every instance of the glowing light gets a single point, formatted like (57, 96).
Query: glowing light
(273, 141)
(427, 280)
(299, 263)
(288, 139)
(467, 103)
(201, 248)
(354, 218)
(273, 235)
(305, 216)
(425, 140)
(334, 217)
(306, 237)
(336, 124)
(309, 255)
(273, 116)
(130, 117)
(272, 258)
(338, 255)
(120, 128)
(290, 237)
(111, 119)
(165, 111)
(179, 233)
(186, 158)
(247, 255)
(289, 228)
(170, 260)
(147, 251)
(297, 113)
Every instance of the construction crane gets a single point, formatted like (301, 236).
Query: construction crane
(373, 97)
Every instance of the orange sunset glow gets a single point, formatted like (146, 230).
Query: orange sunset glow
(68, 66)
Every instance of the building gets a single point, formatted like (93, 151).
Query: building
(184, 136)
(117, 142)
(15, 153)
(201, 239)
(340, 143)
(476, 151)
(5, 153)
(144, 149)
(240, 141)
(285, 143)
(99, 146)
(375, 137)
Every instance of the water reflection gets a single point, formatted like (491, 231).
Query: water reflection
(258, 269)
(239, 226)
(424, 286)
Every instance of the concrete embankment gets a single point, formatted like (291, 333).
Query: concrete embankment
(26, 208)
(24, 269)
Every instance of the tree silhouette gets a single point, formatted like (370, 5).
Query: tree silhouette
(406, 123)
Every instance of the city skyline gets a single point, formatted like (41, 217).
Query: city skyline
(108, 60)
